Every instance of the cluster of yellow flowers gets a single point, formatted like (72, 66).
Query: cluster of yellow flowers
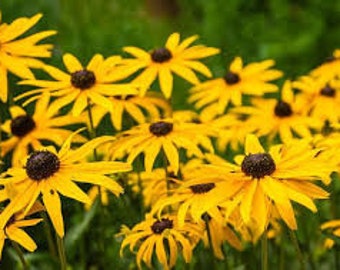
(194, 188)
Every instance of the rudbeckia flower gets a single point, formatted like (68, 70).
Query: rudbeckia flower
(28, 131)
(322, 97)
(17, 55)
(330, 68)
(261, 181)
(156, 236)
(175, 57)
(283, 117)
(252, 79)
(164, 135)
(14, 232)
(81, 85)
(140, 109)
(49, 173)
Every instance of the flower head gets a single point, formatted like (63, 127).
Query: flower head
(18, 55)
(28, 131)
(175, 57)
(80, 84)
(49, 173)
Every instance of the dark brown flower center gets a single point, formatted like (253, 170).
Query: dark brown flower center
(231, 78)
(160, 225)
(161, 128)
(327, 91)
(161, 55)
(283, 109)
(83, 79)
(41, 165)
(202, 188)
(22, 125)
(258, 165)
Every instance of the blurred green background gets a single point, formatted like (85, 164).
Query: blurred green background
(298, 34)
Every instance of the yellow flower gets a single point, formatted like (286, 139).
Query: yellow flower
(321, 96)
(330, 68)
(334, 227)
(83, 84)
(164, 135)
(13, 231)
(28, 131)
(17, 55)
(252, 79)
(175, 57)
(155, 235)
(140, 109)
(93, 194)
(261, 182)
(50, 173)
(283, 117)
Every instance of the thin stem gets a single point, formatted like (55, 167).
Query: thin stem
(20, 255)
(47, 228)
(206, 220)
(61, 251)
(264, 251)
(297, 249)
(282, 256)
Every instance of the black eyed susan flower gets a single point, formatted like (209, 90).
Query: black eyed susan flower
(321, 96)
(330, 68)
(49, 173)
(252, 79)
(80, 84)
(162, 237)
(13, 231)
(18, 55)
(283, 117)
(175, 57)
(140, 109)
(264, 180)
(28, 131)
(163, 135)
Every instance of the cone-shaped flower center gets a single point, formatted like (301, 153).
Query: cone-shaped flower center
(160, 225)
(327, 91)
(283, 109)
(83, 79)
(161, 55)
(231, 78)
(161, 128)
(202, 188)
(22, 125)
(41, 165)
(258, 165)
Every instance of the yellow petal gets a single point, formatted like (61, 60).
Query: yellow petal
(165, 81)
(71, 63)
(21, 238)
(252, 145)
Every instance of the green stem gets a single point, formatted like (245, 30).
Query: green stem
(282, 256)
(61, 251)
(47, 228)
(297, 249)
(264, 251)
(206, 219)
(20, 255)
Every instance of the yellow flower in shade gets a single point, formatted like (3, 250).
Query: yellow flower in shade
(49, 173)
(262, 181)
(13, 231)
(283, 117)
(175, 57)
(334, 227)
(330, 68)
(164, 135)
(252, 79)
(219, 233)
(164, 238)
(28, 131)
(321, 96)
(81, 85)
(17, 55)
(140, 109)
